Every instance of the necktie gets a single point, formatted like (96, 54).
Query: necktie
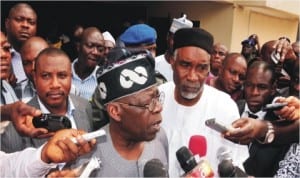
(252, 115)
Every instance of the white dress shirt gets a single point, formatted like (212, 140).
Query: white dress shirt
(86, 87)
(181, 122)
(25, 163)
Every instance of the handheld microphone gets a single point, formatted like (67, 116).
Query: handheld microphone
(190, 166)
(155, 168)
(226, 167)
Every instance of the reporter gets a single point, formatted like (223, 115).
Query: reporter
(287, 131)
(33, 162)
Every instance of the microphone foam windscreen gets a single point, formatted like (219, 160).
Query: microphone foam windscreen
(226, 169)
(198, 145)
(186, 159)
(155, 168)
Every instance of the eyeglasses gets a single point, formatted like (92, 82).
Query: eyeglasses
(159, 99)
(99, 48)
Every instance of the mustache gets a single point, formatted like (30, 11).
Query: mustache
(55, 93)
(191, 85)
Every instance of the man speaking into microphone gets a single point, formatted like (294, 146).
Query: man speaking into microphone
(189, 102)
(129, 94)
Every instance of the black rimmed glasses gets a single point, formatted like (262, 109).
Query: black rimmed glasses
(158, 99)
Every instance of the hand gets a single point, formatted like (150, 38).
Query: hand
(255, 37)
(63, 173)
(245, 130)
(21, 115)
(284, 48)
(292, 110)
(60, 148)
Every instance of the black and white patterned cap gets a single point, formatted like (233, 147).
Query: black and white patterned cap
(126, 73)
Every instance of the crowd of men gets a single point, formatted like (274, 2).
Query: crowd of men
(149, 106)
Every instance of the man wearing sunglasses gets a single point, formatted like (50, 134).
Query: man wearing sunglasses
(132, 102)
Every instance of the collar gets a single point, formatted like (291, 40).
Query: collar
(70, 109)
(92, 75)
(261, 114)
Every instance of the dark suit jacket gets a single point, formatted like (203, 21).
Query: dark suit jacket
(263, 158)
(82, 116)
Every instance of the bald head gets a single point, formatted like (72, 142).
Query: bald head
(29, 51)
(18, 7)
(233, 73)
(222, 46)
(91, 49)
(89, 31)
(35, 43)
(234, 57)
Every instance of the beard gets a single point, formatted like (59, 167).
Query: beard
(191, 90)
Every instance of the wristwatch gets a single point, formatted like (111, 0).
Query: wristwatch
(270, 135)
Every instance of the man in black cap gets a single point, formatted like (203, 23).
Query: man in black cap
(129, 94)
(189, 102)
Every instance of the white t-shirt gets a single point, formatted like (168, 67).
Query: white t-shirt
(181, 122)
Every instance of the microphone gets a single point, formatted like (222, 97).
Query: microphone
(155, 168)
(198, 145)
(190, 166)
(226, 167)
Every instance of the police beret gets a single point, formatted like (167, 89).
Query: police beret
(139, 34)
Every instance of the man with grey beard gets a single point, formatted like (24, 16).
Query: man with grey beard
(189, 102)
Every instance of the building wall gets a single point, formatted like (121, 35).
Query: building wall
(266, 26)
(230, 23)
(217, 18)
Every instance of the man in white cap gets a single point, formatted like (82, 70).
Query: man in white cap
(109, 42)
(162, 63)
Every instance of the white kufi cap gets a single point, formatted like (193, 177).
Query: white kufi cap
(107, 36)
(179, 23)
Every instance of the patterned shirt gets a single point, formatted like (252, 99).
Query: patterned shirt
(86, 87)
(290, 165)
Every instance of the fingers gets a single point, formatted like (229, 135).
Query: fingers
(62, 173)
(291, 111)
(281, 47)
(69, 149)
(24, 109)
(85, 146)
(243, 131)
(65, 149)
(45, 135)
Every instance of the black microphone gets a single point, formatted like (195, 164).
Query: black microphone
(226, 167)
(186, 159)
(155, 168)
(190, 166)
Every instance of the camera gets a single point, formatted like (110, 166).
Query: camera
(51, 122)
